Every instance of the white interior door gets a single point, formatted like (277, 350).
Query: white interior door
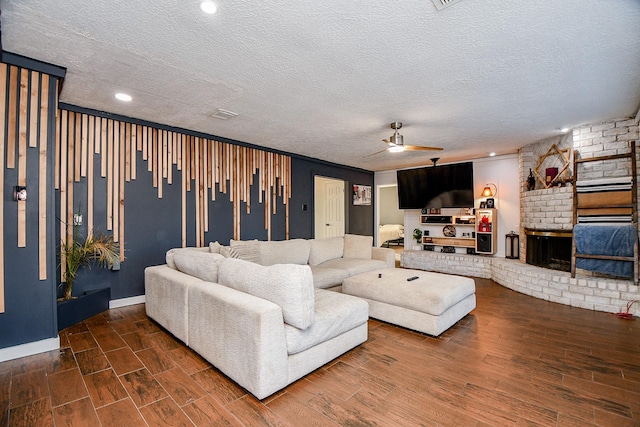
(329, 207)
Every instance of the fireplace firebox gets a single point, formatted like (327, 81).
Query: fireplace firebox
(549, 249)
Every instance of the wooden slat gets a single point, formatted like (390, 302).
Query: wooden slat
(77, 145)
(3, 100)
(205, 188)
(124, 159)
(64, 124)
(605, 211)
(183, 189)
(33, 109)
(170, 157)
(85, 145)
(196, 162)
(160, 156)
(68, 219)
(109, 154)
(97, 134)
(12, 118)
(118, 133)
(604, 199)
(128, 138)
(22, 156)
(165, 153)
(94, 143)
(135, 147)
(104, 143)
(145, 139)
(42, 178)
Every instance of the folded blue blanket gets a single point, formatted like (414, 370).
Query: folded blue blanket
(616, 240)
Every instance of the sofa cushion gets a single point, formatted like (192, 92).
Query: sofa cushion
(203, 265)
(171, 253)
(335, 314)
(354, 266)
(326, 277)
(324, 249)
(288, 285)
(294, 251)
(358, 247)
(247, 250)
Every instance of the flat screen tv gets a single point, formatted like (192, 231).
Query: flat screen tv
(446, 186)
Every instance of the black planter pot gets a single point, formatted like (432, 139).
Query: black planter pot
(84, 306)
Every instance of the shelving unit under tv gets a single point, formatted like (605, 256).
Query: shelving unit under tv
(439, 224)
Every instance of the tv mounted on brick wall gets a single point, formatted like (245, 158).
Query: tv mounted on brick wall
(446, 186)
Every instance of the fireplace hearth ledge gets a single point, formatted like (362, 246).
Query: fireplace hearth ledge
(592, 293)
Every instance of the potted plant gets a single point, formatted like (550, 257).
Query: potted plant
(97, 249)
(417, 236)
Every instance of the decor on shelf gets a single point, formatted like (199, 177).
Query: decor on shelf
(512, 246)
(565, 159)
(531, 181)
(489, 193)
(99, 249)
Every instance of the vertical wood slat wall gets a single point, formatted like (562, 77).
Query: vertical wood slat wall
(206, 162)
(24, 97)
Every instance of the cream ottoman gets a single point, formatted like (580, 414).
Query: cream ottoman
(432, 303)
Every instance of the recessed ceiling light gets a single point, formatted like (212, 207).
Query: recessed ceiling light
(564, 130)
(123, 97)
(491, 154)
(208, 7)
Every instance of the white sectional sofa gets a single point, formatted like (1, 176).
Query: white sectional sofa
(258, 311)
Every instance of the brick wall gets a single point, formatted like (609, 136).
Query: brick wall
(552, 209)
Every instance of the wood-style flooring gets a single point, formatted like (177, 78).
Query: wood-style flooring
(514, 361)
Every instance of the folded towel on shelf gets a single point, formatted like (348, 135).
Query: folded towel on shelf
(604, 184)
(604, 219)
(608, 240)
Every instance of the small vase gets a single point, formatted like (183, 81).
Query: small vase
(531, 181)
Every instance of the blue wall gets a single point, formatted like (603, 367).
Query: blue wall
(152, 226)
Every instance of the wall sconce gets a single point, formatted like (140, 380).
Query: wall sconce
(488, 192)
(19, 193)
(512, 246)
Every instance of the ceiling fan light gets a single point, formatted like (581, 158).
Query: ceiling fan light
(396, 149)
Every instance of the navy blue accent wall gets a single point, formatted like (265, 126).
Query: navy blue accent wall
(30, 303)
(152, 226)
(359, 218)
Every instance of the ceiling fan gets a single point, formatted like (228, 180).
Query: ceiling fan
(396, 143)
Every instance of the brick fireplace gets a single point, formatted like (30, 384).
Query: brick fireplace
(549, 249)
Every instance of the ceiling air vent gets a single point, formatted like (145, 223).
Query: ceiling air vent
(441, 4)
(223, 114)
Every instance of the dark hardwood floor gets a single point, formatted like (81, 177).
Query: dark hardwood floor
(514, 361)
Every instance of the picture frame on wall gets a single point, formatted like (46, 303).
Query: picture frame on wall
(361, 195)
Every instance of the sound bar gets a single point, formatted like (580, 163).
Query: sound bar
(437, 219)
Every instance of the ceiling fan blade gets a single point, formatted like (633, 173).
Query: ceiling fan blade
(377, 152)
(421, 148)
(389, 143)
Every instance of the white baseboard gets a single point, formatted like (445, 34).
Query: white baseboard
(123, 302)
(29, 348)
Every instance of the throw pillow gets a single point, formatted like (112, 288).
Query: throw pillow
(171, 253)
(357, 247)
(295, 251)
(325, 249)
(203, 265)
(290, 286)
(247, 250)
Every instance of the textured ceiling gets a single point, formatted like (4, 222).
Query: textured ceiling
(325, 79)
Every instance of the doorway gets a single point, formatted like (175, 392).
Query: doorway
(390, 230)
(329, 207)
